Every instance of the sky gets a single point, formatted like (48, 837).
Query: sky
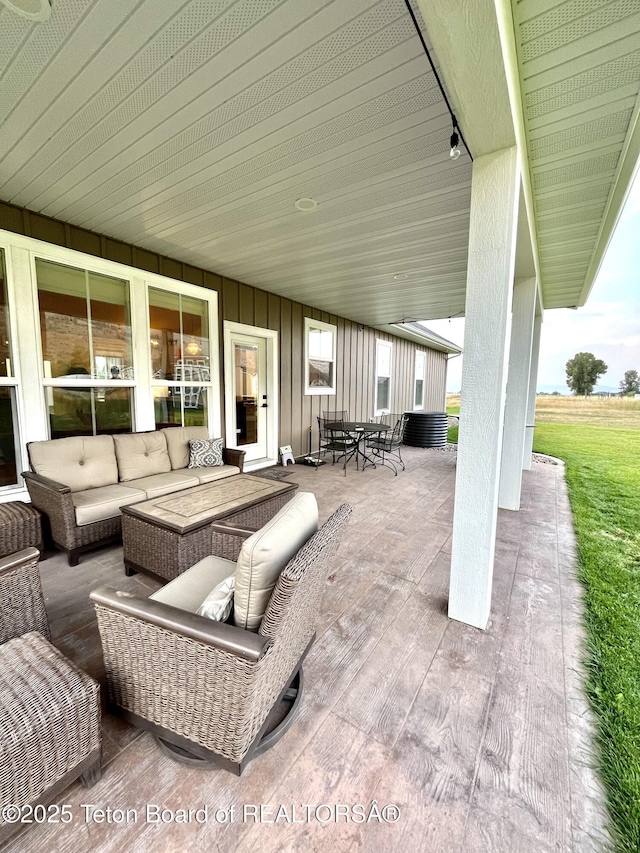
(608, 325)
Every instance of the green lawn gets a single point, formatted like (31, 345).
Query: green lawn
(452, 432)
(603, 473)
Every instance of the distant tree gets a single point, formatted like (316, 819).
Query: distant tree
(583, 371)
(631, 383)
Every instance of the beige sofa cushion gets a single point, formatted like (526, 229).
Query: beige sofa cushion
(79, 462)
(141, 454)
(164, 484)
(265, 554)
(190, 589)
(208, 475)
(178, 439)
(103, 502)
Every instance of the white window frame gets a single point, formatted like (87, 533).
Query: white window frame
(210, 387)
(421, 358)
(312, 325)
(27, 367)
(14, 382)
(380, 344)
(89, 383)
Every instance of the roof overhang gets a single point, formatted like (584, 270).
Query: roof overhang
(419, 334)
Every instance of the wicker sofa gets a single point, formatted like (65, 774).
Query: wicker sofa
(81, 483)
(212, 691)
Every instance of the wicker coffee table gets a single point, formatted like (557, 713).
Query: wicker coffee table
(166, 535)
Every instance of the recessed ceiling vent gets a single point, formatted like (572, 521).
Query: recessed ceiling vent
(306, 204)
(32, 10)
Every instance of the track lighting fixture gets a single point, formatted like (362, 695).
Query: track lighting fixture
(456, 136)
(455, 151)
(455, 139)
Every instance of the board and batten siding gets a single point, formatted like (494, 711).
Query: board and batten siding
(355, 363)
(242, 303)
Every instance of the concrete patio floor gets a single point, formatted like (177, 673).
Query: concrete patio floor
(481, 739)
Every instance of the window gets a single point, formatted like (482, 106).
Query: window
(89, 346)
(180, 365)
(84, 322)
(319, 357)
(383, 376)
(421, 369)
(85, 330)
(9, 436)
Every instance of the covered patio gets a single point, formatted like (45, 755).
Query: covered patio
(297, 168)
(482, 739)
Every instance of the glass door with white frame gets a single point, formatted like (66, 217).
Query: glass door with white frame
(249, 391)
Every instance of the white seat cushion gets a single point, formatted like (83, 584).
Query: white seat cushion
(104, 502)
(164, 484)
(190, 589)
(208, 475)
(217, 605)
(265, 554)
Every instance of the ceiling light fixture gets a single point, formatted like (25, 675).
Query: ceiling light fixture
(32, 10)
(306, 204)
(457, 133)
(401, 276)
(455, 139)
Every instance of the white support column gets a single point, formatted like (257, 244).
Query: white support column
(494, 206)
(515, 412)
(533, 381)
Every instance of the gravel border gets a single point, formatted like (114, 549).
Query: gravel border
(535, 457)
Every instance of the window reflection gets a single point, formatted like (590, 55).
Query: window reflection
(179, 340)
(8, 438)
(246, 383)
(89, 411)
(84, 322)
(180, 406)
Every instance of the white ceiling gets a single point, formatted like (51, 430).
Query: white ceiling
(579, 66)
(191, 128)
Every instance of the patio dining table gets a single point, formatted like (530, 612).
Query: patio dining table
(359, 431)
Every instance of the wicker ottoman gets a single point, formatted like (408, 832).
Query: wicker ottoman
(49, 724)
(20, 527)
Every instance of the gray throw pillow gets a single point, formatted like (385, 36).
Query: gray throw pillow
(205, 453)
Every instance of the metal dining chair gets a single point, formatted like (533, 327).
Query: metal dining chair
(336, 416)
(334, 440)
(386, 448)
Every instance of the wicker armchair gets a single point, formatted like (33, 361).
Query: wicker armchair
(21, 601)
(209, 690)
(49, 709)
